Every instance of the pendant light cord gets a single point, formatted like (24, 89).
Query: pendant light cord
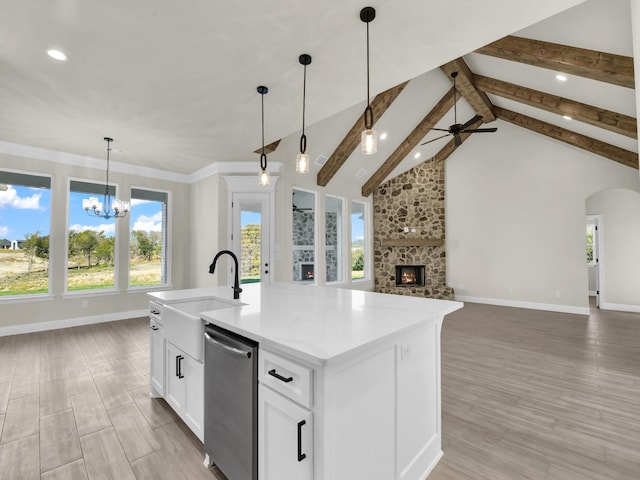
(263, 156)
(106, 187)
(303, 138)
(368, 112)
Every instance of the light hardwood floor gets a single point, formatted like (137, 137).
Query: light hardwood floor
(539, 395)
(526, 395)
(74, 404)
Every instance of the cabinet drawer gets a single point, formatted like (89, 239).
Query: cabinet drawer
(287, 377)
(155, 312)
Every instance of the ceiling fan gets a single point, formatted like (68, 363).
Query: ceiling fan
(456, 129)
(296, 208)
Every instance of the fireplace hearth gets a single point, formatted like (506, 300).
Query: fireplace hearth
(410, 275)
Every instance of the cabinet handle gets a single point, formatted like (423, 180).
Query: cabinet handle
(155, 312)
(280, 377)
(153, 327)
(179, 359)
(301, 456)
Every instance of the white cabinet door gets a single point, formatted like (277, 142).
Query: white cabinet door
(157, 360)
(174, 362)
(193, 372)
(285, 438)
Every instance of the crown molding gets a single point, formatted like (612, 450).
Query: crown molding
(37, 153)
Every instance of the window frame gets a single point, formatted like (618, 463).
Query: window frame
(365, 245)
(167, 242)
(50, 274)
(113, 187)
(340, 243)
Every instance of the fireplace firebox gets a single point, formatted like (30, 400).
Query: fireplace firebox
(306, 272)
(410, 276)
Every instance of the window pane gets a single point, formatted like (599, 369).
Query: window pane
(91, 249)
(250, 242)
(304, 235)
(333, 239)
(25, 213)
(147, 246)
(357, 240)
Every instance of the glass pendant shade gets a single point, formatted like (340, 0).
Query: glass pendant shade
(369, 141)
(302, 163)
(263, 178)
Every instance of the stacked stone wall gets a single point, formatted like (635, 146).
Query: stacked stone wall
(413, 200)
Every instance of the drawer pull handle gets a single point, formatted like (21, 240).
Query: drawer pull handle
(280, 377)
(179, 359)
(155, 312)
(153, 327)
(301, 456)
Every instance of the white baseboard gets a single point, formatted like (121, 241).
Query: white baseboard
(72, 322)
(550, 307)
(620, 307)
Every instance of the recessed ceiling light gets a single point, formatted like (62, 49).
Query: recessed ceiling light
(383, 135)
(56, 54)
(561, 78)
(567, 117)
(417, 155)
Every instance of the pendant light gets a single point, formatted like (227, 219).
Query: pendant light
(369, 135)
(106, 209)
(263, 175)
(302, 160)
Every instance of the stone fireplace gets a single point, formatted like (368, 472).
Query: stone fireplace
(409, 231)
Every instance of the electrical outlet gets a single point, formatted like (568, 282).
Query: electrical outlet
(558, 293)
(85, 303)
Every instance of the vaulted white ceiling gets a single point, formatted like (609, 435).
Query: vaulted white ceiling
(174, 83)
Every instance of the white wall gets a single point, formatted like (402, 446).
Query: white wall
(515, 212)
(619, 235)
(60, 309)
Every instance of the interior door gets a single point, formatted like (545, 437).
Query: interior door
(596, 254)
(250, 235)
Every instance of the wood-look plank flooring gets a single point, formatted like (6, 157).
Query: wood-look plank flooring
(525, 395)
(539, 395)
(74, 404)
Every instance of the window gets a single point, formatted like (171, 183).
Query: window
(148, 243)
(591, 244)
(91, 248)
(358, 252)
(333, 239)
(304, 235)
(25, 216)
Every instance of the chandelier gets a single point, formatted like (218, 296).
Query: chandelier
(106, 209)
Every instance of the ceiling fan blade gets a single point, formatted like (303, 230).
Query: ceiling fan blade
(458, 139)
(434, 139)
(441, 129)
(480, 130)
(471, 122)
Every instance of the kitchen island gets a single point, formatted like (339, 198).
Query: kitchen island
(349, 381)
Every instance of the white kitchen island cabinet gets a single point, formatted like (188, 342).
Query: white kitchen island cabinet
(185, 387)
(349, 381)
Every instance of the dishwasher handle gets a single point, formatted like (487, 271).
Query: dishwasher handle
(229, 348)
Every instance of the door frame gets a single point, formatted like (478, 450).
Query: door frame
(596, 220)
(249, 184)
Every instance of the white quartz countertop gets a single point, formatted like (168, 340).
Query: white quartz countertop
(318, 324)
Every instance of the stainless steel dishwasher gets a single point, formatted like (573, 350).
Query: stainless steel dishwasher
(231, 403)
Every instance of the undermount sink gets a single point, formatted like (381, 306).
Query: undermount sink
(182, 323)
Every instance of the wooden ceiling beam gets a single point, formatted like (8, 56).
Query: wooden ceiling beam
(409, 143)
(351, 140)
(465, 84)
(268, 148)
(612, 152)
(598, 117)
(605, 67)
